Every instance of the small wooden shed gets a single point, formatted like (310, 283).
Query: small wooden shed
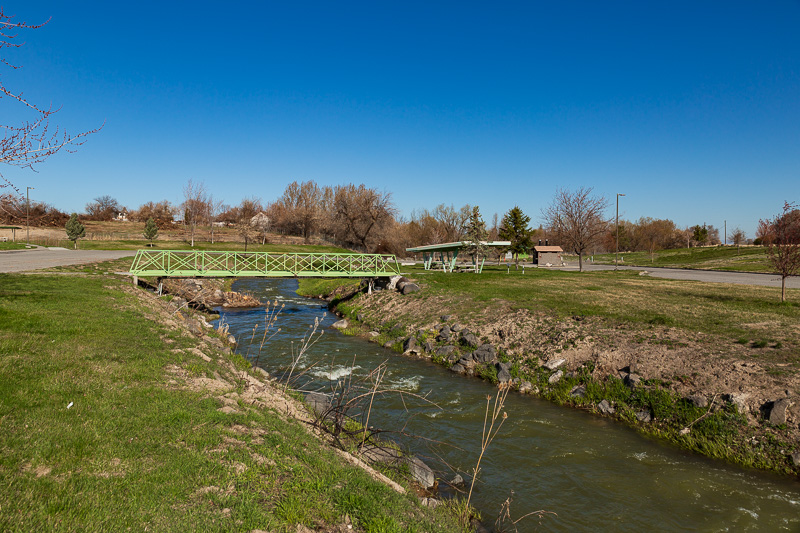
(548, 255)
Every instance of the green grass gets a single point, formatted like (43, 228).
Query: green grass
(12, 245)
(733, 311)
(745, 258)
(134, 452)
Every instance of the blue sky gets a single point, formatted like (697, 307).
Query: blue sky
(692, 109)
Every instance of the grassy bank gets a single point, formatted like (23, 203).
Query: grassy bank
(743, 258)
(113, 417)
(684, 338)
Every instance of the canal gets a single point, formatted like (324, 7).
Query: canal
(592, 473)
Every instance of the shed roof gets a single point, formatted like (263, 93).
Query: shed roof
(548, 249)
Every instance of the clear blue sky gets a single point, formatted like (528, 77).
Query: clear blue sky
(692, 109)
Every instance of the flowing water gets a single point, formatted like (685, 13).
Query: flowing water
(593, 473)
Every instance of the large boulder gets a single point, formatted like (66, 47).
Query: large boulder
(445, 351)
(341, 324)
(632, 380)
(605, 408)
(503, 372)
(554, 378)
(458, 369)
(410, 344)
(410, 288)
(552, 364)
(485, 353)
(444, 335)
(421, 472)
(776, 411)
(470, 340)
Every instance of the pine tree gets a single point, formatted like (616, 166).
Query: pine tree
(475, 237)
(150, 230)
(514, 228)
(75, 230)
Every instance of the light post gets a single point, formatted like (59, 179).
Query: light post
(28, 216)
(616, 254)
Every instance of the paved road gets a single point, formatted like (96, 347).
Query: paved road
(36, 258)
(713, 276)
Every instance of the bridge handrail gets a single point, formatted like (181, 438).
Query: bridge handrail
(221, 263)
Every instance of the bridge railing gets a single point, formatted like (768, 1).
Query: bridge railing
(191, 263)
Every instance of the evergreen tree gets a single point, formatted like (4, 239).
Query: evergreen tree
(514, 228)
(150, 230)
(475, 237)
(75, 230)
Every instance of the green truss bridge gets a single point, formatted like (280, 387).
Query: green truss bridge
(190, 263)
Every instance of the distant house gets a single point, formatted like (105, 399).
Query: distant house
(122, 216)
(544, 255)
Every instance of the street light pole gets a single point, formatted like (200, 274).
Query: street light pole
(28, 215)
(616, 254)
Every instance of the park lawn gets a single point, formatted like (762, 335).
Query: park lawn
(736, 312)
(744, 258)
(12, 245)
(133, 244)
(95, 436)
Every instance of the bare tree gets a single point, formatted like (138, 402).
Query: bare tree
(215, 208)
(738, 237)
(577, 219)
(452, 222)
(247, 209)
(783, 243)
(361, 214)
(163, 213)
(35, 140)
(103, 208)
(299, 210)
(195, 206)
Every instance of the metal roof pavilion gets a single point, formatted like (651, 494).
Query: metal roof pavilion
(448, 253)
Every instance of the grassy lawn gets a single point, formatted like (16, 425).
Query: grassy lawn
(201, 245)
(745, 258)
(12, 245)
(94, 435)
(733, 311)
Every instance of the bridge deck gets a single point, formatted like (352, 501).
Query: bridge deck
(190, 263)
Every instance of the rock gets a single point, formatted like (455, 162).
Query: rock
(341, 324)
(457, 481)
(261, 371)
(795, 457)
(393, 282)
(777, 411)
(470, 340)
(632, 380)
(410, 288)
(373, 334)
(444, 335)
(578, 391)
(360, 317)
(554, 363)
(380, 454)
(684, 431)
(466, 360)
(555, 377)
(429, 502)
(697, 400)
(231, 339)
(605, 408)
(485, 353)
(458, 369)
(429, 346)
(525, 387)
(446, 318)
(409, 344)
(644, 416)
(388, 344)
(400, 284)
(457, 327)
(446, 351)
(228, 410)
(739, 400)
(503, 372)
(421, 472)
(319, 403)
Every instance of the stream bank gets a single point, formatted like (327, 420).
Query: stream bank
(661, 381)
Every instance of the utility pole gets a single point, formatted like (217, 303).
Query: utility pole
(725, 225)
(28, 215)
(616, 254)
